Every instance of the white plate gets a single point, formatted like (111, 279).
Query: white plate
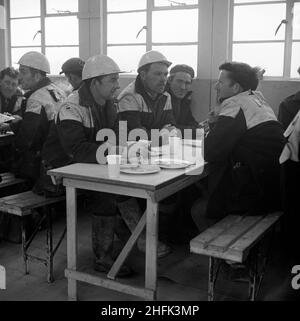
(172, 163)
(140, 170)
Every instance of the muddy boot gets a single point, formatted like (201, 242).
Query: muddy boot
(103, 239)
(131, 214)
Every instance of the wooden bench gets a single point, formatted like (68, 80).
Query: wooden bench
(9, 179)
(234, 239)
(22, 205)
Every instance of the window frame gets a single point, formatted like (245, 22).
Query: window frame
(150, 8)
(43, 15)
(287, 41)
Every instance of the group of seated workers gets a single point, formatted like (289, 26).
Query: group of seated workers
(242, 146)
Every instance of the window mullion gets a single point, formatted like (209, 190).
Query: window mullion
(288, 39)
(150, 6)
(43, 29)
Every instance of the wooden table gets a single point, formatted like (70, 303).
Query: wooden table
(152, 187)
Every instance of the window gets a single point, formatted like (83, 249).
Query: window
(266, 33)
(47, 26)
(136, 26)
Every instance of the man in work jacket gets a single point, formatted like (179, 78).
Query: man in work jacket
(242, 149)
(144, 103)
(11, 98)
(72, 139)
(179, 87)
(42, 99)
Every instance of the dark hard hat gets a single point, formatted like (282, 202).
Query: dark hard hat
(183, 68)
(73, 66)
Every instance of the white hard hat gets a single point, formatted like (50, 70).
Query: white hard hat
(99, 65)
(151, 57)
(36, 60)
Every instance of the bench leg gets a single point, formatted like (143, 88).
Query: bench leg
(24, 247)
(50, 277)
(212, 277)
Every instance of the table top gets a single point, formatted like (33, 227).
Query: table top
(99, 173)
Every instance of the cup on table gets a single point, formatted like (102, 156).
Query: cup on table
(114, 162)
(175, 147)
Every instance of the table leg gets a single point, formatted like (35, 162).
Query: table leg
(151, 246)
(72, 239)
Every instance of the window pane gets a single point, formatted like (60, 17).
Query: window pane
(168, 3)
(295, 59)
(296, 21)
(24, 30)
(57, 56)
(126, 57)
(175, 26)
(266, 55)
(61, 31)
(19, 9)
(65, 6)
(17, 53)
(180, 54)
(124, 27)
(121, 5)
(244, 1)
(259, 22)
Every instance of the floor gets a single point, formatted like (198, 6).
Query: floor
(182, 275)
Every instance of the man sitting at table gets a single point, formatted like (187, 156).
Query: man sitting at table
(179, 87)
(11, 98)
(145, 104)
(72, 139)
(42, 100)
(242, 150)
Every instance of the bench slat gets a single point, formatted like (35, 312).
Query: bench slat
(249, 239)
(228, 237)
(242, 244)
(22, 203)
(213, 232)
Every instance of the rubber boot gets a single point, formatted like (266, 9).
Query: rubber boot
(103, 240)
(131, 214)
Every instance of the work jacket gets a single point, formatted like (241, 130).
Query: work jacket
(182, 112)
(140, 110)
(288, 109)
(72, 138)
(242, 151)
(41, 104)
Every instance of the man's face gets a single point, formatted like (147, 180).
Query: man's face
(225, 87)
(74, 80)
(28, 80)
(108, 86)
(8, 86)
(155, 78)
(180, 84)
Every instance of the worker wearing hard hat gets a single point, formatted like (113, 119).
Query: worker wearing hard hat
(72, 139)
(41, 100)
(72, 68)
(144, 103)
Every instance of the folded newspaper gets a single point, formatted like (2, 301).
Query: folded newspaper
(5, 118)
